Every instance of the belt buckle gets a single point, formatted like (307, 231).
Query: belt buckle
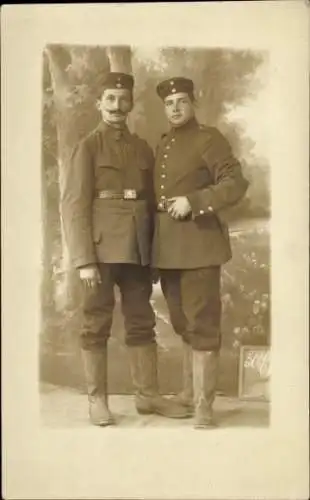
(102, 194)
(130, 194)
(163, 205)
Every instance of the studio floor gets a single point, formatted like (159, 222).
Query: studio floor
(67, 408)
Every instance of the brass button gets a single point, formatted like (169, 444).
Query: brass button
(201, 212)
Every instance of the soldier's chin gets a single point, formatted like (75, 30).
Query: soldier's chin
(178, 122)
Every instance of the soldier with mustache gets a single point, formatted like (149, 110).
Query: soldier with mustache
(107, 209)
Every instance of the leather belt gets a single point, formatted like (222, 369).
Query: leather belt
(126, 194)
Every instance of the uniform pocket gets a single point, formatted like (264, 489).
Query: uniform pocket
(118, 240)
(111, 223)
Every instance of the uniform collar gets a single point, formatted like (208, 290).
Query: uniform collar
(115, 133)
(192, 124)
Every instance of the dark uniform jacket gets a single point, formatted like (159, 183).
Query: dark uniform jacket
(195, 161)
(102, 230)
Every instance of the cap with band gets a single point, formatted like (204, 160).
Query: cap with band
(174, 86)
(115, 80)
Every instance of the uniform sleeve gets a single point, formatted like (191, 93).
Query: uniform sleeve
(229, 184)
(77, 187)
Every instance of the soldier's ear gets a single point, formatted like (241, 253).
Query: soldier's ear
(193, 99)
(132, 104)
(97, 105)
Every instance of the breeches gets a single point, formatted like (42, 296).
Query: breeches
(194, 304)
(135, 286)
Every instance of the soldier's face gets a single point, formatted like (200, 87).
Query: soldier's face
(179, 108)
(115, 104)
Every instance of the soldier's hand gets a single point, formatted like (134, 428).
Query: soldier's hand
(179, 207)
(90, 276)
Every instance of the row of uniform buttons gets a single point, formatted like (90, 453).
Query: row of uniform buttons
(163, 174)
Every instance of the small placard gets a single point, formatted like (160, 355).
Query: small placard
(254, 373)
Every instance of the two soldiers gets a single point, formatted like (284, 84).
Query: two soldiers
(124, 212)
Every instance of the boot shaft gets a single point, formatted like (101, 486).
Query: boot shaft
(143, 368)
(205, 372)
(185, 397)
(143, 363)
(95, 364)
(205, 375)
(187, 369)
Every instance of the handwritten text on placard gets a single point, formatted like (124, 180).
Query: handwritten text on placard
(258, 361)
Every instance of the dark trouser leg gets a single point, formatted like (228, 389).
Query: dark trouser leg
(202, 306)
(136, 289)
(171, 287)
(135, 286)
(201, 303)
(170, 280)
(97, 308)
(97, 320)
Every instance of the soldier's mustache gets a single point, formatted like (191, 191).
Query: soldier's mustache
(116, 112)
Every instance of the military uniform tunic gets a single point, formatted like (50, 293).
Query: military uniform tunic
(114, 234)
(194, 161)
(105, 230)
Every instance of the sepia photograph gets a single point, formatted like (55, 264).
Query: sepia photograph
(155, 240)
(156, 257)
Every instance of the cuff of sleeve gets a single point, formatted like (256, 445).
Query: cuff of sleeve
(84, 262)
(199, 209)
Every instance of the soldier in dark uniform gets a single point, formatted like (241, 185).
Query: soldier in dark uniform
(106, 202)
(195, 176)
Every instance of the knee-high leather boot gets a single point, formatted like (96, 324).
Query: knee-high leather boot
(205, 374)
(95, 369)
(185, 397)
(143, 364)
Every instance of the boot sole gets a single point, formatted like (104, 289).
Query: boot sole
(103, 424)
(205, 426)
(162, 414)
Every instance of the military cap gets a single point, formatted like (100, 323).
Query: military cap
(116, 80)
(175, 85)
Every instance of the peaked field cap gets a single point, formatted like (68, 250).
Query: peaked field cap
(114, 80)
(175, 85)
